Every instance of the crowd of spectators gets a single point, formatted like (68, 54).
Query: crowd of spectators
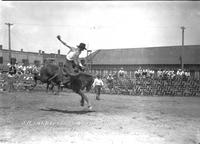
(163, 74)
(17, 74)
(144, 82)
(151, 82)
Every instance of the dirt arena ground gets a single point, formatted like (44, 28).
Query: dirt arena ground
(41, 118)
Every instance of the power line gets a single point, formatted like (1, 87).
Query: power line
(47, 25)
(90, 27)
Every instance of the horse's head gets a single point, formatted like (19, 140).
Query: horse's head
(89, 84)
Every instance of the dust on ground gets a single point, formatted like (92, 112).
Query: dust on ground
(38, 117)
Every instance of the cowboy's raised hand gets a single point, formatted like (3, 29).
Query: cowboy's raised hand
(58, 37)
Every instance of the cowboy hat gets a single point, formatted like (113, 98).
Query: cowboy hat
(82, 46)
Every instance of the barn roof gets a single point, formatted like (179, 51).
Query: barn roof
(147, 55)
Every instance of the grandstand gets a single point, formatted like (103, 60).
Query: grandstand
(165, 63)
(106, 61)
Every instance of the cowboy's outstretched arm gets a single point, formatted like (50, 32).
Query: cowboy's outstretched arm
(59, 38)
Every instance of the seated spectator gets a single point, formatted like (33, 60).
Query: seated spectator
(114, 76)
(151, 73)
(159, 73)
(187, 74)
(180, 72)
(137, 74)
(144, 73)
(121, 72)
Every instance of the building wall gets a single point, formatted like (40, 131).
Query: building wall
(30, 56)
(5, 56)
(19, 56)
(56, 58)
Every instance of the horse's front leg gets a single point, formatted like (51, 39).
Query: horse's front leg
(58, 90)
(47, 88)
(84, 98)
(52, 87)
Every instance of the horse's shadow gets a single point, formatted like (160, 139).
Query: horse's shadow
(67, 111)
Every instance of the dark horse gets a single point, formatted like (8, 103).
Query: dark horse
(53, 74)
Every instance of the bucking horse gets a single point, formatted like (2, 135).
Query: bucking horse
(52, 74)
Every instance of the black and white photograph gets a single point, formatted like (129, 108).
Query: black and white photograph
(99, 72)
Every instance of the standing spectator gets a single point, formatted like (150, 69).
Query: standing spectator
(11, 77)
(98, 84)
(110, 82)
(12, 69)
(137, 74)
(121, 72)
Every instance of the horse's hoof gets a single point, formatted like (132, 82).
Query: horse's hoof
(82, 103)
(56, 93)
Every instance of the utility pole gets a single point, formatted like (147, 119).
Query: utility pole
(182, 47)
(9, 40)
(89, 62)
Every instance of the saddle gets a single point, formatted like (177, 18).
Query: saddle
(78, 69)
(72, 70)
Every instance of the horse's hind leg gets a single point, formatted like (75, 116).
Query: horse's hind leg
(58, 90)
(47, 88)
(82, 98)
(52, 87)
(82, 101)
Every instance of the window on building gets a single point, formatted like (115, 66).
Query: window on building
(25, 62)
(49, 60)
(37, 62)
(13, 60)
(1, 60)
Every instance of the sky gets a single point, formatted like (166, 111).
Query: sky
(98, 24)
